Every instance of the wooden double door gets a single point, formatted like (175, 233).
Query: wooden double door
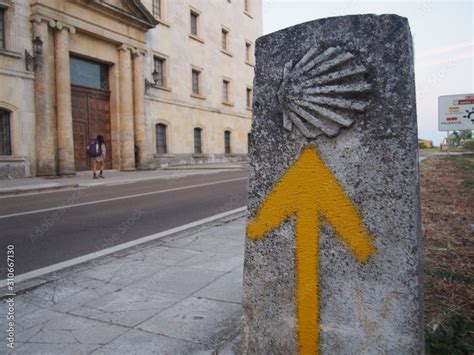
(90, 117)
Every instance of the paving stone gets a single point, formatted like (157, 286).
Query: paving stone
(22, 307)
(55, 349)
(235, 247)
(75, 269)
(140, 342)
(179, 280)
(197, 319)
(122, 271)
(88, 289)
(199, 242)
(163, 255)
(89, 308)
(69, 329)
(213, 261)
(127, 307)
(52, 293)
(29, 324)
(232, 346)
(226, 288)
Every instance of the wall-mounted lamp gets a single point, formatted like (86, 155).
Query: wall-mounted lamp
(31, 60)
(148, 84)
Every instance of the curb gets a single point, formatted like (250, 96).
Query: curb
(22, 191)
(174, 233)
(205, 168)
(27, 190)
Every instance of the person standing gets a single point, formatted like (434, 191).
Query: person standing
(100, 159)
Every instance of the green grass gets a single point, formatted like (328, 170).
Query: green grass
(432, 149)
(450, 338)
(469, 184)
(463, 164)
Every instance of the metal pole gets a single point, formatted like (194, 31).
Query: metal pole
(448, 143)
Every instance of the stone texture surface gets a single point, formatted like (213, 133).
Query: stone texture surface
(191, 159)
(129, 306)
(226, 288)
(15, 168)
(99, 307)
(127, 137)
(140, 342)
(370, 308)
(196, 319)
(63, 102)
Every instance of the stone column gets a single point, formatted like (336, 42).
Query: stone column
(139, 107)
(127, 139)
(63, 101)
(45, 120)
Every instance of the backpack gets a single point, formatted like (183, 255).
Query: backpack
(93, 148)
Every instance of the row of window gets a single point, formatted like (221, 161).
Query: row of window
(160, 129)
(195, 31)
(161, 80)
(225, 37)
(158, 6)
(5, 136)
(162, 144)
(2, 28)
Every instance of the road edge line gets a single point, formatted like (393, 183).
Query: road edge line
(81, 259)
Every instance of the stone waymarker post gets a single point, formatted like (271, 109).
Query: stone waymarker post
(332, 261)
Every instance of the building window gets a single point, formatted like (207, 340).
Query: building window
(249, 98)
(89, 74)
(225, 91)
(161, 146)
(225, 39)
(5, 134)
(197, 141)
(157, 8)
(227, 142)
(194, 23)
(159, 68)
(196, 82)
(2, 28)
(248, 52)
(249, 136)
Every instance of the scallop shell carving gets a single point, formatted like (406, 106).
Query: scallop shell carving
(322, 92)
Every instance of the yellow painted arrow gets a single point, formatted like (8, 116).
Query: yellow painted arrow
(310, 191)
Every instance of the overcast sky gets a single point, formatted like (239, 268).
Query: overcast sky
(443, 33)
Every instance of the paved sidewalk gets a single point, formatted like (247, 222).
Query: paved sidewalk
(84, 178)
(176, 295)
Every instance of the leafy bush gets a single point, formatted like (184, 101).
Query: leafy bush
(450, 338)
(469, 144)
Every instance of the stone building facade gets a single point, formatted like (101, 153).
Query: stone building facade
(130, 70)
(17, 111)
(200, 109)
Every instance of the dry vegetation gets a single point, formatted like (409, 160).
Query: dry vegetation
(447, 192)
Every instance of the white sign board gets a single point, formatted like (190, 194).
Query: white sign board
(456, 112)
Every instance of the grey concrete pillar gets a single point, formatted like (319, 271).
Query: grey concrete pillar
(332, 261)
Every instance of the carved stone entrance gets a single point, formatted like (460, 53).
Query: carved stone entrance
(91, 117)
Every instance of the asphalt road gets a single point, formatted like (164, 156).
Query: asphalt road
(44, 232)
